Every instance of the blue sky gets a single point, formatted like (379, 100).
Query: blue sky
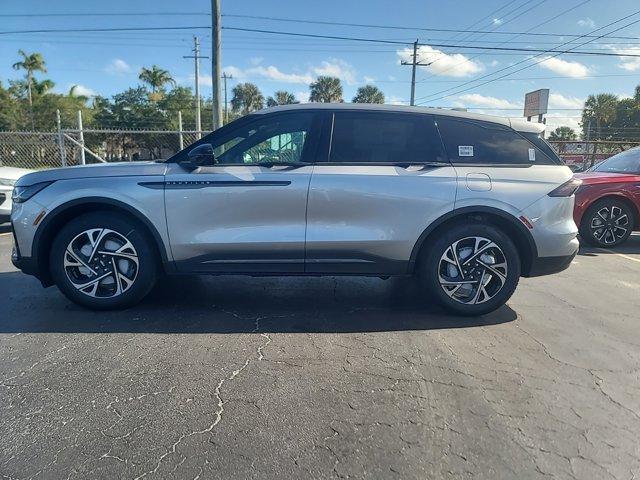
(106, 63)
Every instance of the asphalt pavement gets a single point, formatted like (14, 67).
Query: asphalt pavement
(336, 377)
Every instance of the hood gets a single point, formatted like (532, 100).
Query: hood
(593, 178)
(117, 169)
(12, 173)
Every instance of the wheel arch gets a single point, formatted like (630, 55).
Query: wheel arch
(66, 212)
(513, 227)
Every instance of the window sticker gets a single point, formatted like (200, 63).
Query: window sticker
(465, 150)
(532, 154)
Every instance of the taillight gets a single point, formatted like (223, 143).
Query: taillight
(566, 189)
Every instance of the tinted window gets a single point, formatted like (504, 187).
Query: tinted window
(384, 138)
(625, 162)
(550, 155)
(269, 139)
(483, 142)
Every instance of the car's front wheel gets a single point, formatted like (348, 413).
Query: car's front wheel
(471, 269)
(103, 261)
(607, 223)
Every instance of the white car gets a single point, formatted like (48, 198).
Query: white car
(8, 177)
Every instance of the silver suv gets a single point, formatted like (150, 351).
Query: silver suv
(468, 202)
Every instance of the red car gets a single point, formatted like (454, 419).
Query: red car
(607, 205)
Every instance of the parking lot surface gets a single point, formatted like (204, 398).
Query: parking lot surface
(339, 377)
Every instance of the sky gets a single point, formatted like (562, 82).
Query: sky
(105, 63)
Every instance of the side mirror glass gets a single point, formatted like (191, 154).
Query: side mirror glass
(199, 156)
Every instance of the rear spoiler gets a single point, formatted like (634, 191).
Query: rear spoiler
(527, 127)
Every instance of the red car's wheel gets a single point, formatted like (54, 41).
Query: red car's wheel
(607, 223)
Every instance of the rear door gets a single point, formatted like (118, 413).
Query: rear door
(246, 213)
(382, 179)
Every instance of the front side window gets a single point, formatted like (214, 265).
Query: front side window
(280, 139)
(468, 141)
(625, 162)
(372, 137)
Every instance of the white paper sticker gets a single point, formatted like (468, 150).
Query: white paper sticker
(465, 150)
(532, 154)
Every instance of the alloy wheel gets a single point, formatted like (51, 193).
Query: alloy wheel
(609, 224)
(101, 263)
(472, 270)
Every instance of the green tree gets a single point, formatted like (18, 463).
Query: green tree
(30, 63)
(599, 111)
(281, 97)
(326, 89)
(156, 78)
(563, 133)
(246, 98)
(369, 94)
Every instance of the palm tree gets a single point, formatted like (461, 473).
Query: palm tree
(246, 98)
(42, 87)
(281, 97)
(601, 108)
(30, 64)
(369, 94)
(156, 77)
(326, 89)
(563, 133)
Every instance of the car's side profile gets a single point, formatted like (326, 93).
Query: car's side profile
(607, 206)
(468, 202)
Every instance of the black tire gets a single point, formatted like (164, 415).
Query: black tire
(430, 268)
(610, 234)
(144, 274)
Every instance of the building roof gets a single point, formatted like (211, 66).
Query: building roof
(520, 125)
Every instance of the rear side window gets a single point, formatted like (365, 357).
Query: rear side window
(487, 143)
(363, 137)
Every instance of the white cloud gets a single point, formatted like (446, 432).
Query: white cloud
(368, 79)
(337, 68)
(256, 60)
(451, 65)
(82, 91)
(557, 100)
(498, 21)
(494, 63)
(118, 67)
(565, 68)
(394, 100)
(272, 73)
(630, 64)
(302, 97)
(235, 72)
(587, 22)
(560, 119)
(486, 101)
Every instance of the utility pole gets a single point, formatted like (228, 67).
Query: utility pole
(414, 63)
(226, 77)
(196, 56)
(216, 63)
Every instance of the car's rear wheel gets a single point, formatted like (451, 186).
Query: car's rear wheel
(471, 269)
(103, 261)
(607, 223)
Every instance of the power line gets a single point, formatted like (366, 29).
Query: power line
(538, 55)
(440, 45)
(105, 14)
(119, 29)
(393, 27)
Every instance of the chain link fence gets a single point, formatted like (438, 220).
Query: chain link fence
(40, 150)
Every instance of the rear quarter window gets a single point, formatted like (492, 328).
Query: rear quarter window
(473, 142)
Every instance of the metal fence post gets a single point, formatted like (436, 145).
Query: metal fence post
(63, 156)
(180, 139)
(83, 159)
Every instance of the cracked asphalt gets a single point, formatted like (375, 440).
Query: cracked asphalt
(236, 377)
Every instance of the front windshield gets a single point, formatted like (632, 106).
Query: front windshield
(625, 162)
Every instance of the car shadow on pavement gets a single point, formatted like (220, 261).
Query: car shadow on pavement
(237, 304)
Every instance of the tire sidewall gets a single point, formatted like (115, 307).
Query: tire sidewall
(430, 267)
(128, 228)
(585, 223)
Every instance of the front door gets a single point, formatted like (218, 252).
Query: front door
(383, 180)
(245, 213)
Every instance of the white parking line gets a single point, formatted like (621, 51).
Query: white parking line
(620, 255)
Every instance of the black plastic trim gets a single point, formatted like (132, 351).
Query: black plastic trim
(548, 265)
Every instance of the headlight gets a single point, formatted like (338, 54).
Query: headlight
(22, 194)
(7, 182)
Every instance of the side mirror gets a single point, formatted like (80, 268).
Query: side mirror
(199, 156)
